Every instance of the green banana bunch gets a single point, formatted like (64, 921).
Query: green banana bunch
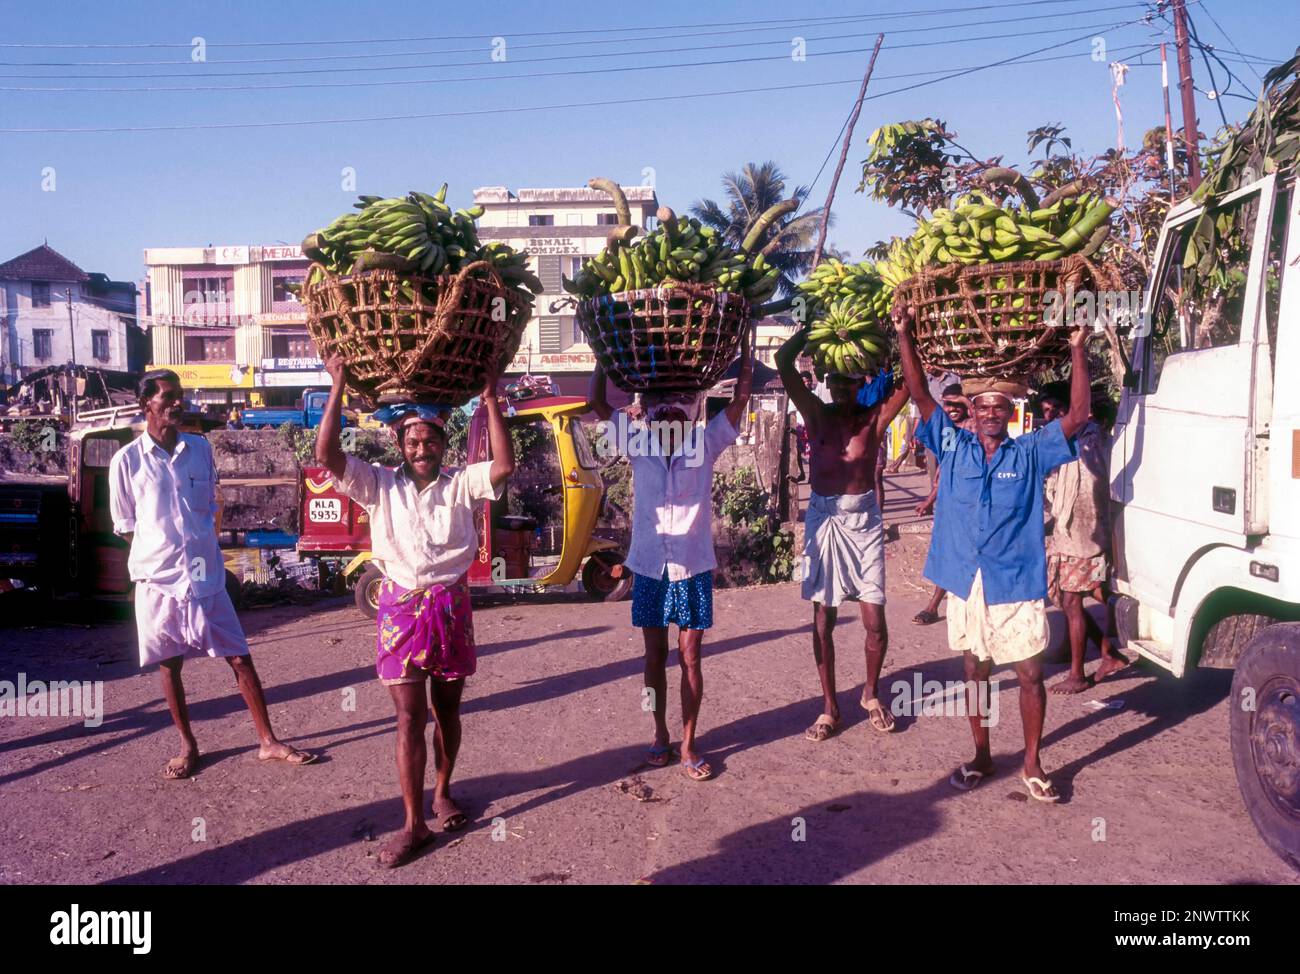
(843, 339)
(977, 230)
(680, 249)
(417, 235)
(833, 280)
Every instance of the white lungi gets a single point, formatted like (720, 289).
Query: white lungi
(197, 626)
(844, 549)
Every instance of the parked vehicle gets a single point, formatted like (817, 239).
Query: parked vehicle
(557, 496)
(306, 414)
(1205, 480)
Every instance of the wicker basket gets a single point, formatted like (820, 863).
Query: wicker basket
(433, 340)
(988, 319)
(677, 338)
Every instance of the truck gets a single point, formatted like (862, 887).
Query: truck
(307, 413)
(1205, 484)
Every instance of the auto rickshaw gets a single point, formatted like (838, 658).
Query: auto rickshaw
(539, 535)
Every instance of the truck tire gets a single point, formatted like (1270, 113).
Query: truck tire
(600, 581)
(367, 591)
(1266, 736)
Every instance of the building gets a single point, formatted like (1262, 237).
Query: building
(559, 228)
(54, 313)
(225, 320)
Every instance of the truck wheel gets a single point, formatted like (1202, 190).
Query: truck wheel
(600, 581)
(1264, 719)
(367, 591)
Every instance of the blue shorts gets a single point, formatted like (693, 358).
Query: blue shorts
(660, 603)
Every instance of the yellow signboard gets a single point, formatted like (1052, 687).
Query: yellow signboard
(206, 375)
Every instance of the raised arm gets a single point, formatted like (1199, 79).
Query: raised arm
(744, 381)
(913, 373)
(329, 448)
(596, 394)
(503, 448)
(787, 355)
(1080, 386)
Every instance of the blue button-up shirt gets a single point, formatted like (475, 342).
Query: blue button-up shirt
(989, 513)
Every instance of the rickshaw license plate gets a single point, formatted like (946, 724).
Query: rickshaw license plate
(325, 509)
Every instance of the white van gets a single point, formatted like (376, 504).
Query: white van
(1205, 485)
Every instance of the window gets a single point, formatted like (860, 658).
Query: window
(208, 290)
(40, 294)
(99, 345)
(541, 220)
(280, 287)
(574, 219)
(548, 271)
(578, 337)
(292, 345)
(606, 219)
(1194, 312)
(43, 342)
(209, 348)
(582, 445)
(575, 265)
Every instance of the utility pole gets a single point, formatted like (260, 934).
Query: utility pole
(72, 334)
(844, 152)
(1169, 123)
(1188, 93)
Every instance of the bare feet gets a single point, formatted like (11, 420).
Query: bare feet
(182, 766)
(1071, 684)
(405, 847)
(279, 751)
(448, 813)
(1109, 665)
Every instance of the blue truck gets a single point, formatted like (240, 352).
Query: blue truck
(306, 414)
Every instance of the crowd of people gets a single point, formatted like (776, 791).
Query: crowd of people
(1002, 544)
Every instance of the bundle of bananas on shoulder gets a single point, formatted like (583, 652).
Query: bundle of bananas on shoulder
(847, 302)
(976, 230)
(679, 250)
(417, 235)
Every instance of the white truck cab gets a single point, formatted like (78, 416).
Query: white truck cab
(1205, 485)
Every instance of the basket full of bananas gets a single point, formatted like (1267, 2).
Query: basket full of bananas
(668, 311)
(417, 306)
(985, 278)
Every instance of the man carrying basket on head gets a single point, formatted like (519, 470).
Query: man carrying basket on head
(671, 554)
(423, 536)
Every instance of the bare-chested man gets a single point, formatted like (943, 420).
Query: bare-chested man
(844, 539)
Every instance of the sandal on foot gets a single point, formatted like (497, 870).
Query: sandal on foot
(925, 618)
(879, 718)
(967, 778)
(179, 772)
(453, 821)
(697, 770)
(823, 729)
(403, 849)
(660, 755)
(1040, 789)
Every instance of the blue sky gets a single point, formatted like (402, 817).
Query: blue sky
(117, 192)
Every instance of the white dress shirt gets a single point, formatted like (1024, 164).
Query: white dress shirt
(169, 502)
(672, 509)
(424, 537)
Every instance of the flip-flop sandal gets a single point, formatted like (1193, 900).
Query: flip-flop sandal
(405, 852)
(823, 729)
(697, 770)
(296, 757)
(879, 718)
(453, 822)
(660, 756)
(925, 618)
(1040, 789)
(967, 779)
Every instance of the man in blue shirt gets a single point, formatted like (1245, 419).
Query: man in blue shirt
(986, 548)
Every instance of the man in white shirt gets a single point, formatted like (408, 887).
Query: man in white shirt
(671, 555)
(163, 500)
(424, 539)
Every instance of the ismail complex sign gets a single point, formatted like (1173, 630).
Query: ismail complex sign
(540, 246)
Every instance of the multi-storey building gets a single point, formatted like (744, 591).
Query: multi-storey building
(226, 320)
(559, 228)
(54, 313)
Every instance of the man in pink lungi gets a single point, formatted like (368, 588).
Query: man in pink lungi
(423, 538)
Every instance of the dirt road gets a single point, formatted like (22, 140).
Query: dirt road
(551, 766)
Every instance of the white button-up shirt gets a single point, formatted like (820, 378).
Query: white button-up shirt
(672, 509)
(424, 537)
(169, 502)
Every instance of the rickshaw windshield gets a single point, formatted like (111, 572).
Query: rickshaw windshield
(582, 445)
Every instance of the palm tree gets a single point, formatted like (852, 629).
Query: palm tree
(788, 244)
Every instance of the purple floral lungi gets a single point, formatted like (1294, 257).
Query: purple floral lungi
(426, 632)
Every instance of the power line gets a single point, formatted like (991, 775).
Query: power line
(478, 62)
(1229, 40)
(202, 126)
(509, 77)
(546, 33)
